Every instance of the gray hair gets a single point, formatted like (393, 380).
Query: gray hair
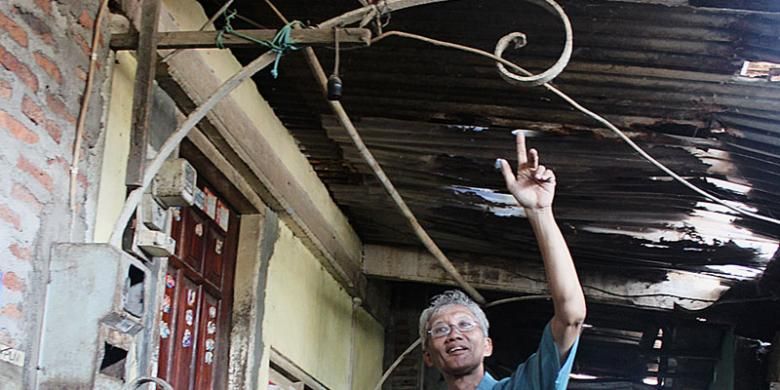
(449, 298)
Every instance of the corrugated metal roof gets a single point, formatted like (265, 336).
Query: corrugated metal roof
(666, 72)
(436, 118)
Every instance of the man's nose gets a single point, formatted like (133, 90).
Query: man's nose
(452, 332)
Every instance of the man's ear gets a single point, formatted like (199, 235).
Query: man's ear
(427, 359)
(488, 347)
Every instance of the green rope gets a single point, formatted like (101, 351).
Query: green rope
(281, 44)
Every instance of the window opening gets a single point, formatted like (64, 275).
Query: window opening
(113, 362)
(134, 291)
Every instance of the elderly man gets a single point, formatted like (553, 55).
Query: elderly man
(454, 329)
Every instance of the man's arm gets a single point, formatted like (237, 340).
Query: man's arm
(534, 188)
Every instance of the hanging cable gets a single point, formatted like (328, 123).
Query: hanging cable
(585, 111)
(346, 122)
(178, 135)
(335, 85)
(74, 164)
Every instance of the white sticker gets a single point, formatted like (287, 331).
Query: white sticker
(210, 207)
(223, 216)
(199, 200)
(11, 355)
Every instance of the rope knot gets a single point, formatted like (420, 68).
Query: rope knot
(280, 44)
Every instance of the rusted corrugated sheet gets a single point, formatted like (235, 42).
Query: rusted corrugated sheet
(665, 74)
(664, 71)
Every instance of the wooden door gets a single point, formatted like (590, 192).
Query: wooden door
(195, 312)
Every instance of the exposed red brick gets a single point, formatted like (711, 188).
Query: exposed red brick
(58, 107)
(17, 129)
(82, 179)
(6, 90)
(85, 20)
(47, 38)
(39, 26)
(81, 73)
(32, 110)
(21, 70)
(20, 192)
(48, 66)
(15, 31)
(85, 47)
(21, 252)
(13, 282)
(38, 174)
(55, 132)
(44, 5)
(10, 217)
(11, 310)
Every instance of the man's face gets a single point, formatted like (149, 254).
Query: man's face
(459, 352)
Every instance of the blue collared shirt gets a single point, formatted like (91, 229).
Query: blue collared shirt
(542, 371)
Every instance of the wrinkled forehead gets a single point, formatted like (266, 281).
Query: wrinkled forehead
(449, 313)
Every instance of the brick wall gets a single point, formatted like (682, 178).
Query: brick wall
(44, 53)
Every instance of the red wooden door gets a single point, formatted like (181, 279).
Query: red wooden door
(195, 320)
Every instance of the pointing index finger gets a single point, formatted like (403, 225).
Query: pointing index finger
(522, 155)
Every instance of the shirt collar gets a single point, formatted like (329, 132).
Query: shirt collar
(487, 382)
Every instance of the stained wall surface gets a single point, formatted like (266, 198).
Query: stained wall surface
(44, 54)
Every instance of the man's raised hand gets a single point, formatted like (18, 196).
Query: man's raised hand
(533, 185)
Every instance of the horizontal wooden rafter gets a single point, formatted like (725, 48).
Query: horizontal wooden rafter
(686, 289)
(208, 39)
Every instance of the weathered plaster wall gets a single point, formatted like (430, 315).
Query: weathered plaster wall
(308, 319)
(44, 52)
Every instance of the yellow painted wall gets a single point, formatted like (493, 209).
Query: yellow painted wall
(308, 319)
(308, 316)
(369, 342)
(111, 193)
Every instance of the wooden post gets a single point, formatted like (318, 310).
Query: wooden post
(146, 54)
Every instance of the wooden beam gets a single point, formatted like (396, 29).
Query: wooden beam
(208, 39)
(252, 155)
(687, 289)
(142, 92)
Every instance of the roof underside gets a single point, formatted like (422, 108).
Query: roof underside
(666, 72)
(436, 119)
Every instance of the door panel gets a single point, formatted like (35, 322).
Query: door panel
(208, 338)
(195, 311)
(186, 333)
(215, 248)
(195, 228)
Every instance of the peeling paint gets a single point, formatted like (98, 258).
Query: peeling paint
(730, 186)
(707, 225)
(500, 205)
(738, 271)
(475, 129)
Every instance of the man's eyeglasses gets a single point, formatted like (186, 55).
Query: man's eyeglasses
(441, 329)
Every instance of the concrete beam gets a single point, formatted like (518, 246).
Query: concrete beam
(689, 290)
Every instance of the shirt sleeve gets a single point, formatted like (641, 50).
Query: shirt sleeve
(543, 370)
